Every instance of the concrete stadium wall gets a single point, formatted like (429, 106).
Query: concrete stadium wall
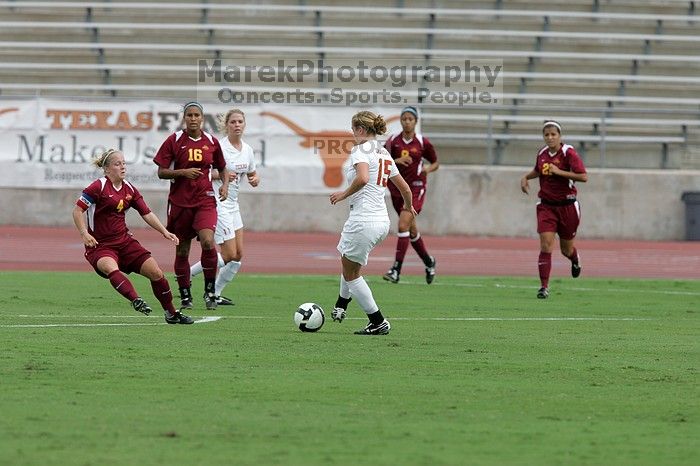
(462, 200)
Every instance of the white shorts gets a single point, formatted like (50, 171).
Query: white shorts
(226, 225)
(359, 238)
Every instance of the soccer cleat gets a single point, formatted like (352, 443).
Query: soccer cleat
(224, 301)
(543, 293)
(185, 298)
(372, 329)
(392, 275)
(430, 271)
(141, 306)
(338, 314)
(210, 301)
(576, 269)
(178, 318)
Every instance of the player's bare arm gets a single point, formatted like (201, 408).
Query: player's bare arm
(524, 185)
(431, 167)
(405, 160)
(170, 174)
(79, 220)
(223, 190)
(154, 222)
(361, 179)
(232, 176)
(406, 194)
(253, 178)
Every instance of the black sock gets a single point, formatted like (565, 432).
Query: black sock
(209, 286)
(397, 266)
(376, 317)
(185, 293)
(343, 302)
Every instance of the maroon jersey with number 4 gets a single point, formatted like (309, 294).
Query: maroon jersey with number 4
(181, 151)
(106, 207)
(557, 188)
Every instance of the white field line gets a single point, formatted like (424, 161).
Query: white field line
(119, 324)
(485, 319)
(416, 319)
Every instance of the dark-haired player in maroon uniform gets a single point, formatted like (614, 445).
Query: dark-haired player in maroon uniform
(558, 167)
(186, 158)
(408, 149)
(109, 246)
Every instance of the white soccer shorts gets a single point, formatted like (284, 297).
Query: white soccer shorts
(359, 238)
(226, 225)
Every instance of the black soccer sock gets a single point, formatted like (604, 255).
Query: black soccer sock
(397, 266)
(376, 317)
(185, 293)
(342, 302)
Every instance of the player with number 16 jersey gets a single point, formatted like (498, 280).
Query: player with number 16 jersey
(178, 151)
(186, 159)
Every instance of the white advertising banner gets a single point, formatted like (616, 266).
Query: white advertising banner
(48, 143)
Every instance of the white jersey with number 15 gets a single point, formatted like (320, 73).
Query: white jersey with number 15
(368, 203)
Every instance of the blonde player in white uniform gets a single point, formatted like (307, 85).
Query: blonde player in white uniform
(240, 161)
(368, 224)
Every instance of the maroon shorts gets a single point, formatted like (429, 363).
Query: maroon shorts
(418, 198)
(561, 219)
(185, 222)
(129, 255)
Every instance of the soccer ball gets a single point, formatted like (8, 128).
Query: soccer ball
(309, 317)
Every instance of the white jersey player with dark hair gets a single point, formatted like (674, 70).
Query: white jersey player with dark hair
(369, 169)
(240, 162)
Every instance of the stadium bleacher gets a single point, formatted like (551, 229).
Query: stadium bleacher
(628, 98)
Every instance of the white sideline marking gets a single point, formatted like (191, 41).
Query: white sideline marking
(458, 319)
(203, 320)
(207, 319)
(559, 319)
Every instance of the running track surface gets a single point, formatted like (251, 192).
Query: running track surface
(60, 249)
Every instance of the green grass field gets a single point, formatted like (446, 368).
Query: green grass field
(475, 371)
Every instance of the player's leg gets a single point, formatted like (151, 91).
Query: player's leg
(209, 266)
(182, 272)
(359, 290)
(544, 262)
(232, 254)
(402, 241)
(205, 220)
(341, 304)
(546, 227)
(232, 251)
(180, 223)
(161, 290)
(417, 240)
(196, 268)
(355, 246)
(107, 266)
(224, 231)
(570, 217)
(347, 244)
